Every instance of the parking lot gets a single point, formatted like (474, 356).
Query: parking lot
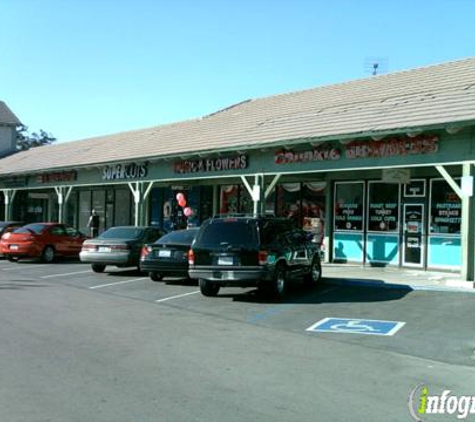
(428, 316)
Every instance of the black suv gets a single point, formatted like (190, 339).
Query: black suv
(240, 251)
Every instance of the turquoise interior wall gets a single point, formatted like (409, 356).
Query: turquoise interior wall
(348, 247)
(445, 252)
(382, 248)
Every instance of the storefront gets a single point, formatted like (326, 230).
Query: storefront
(373, 183)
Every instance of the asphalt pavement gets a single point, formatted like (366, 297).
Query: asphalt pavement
(117, 346)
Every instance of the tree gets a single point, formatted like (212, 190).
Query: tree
(25, 140)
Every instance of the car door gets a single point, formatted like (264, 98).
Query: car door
(75, 240)
(59, 239)
(299, 254)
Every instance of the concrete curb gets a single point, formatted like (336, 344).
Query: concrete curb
(395, 286)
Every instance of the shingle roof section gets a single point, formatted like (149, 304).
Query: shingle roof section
(7, 117)
(429, 96)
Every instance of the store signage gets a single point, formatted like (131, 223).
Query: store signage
(239, 162)
(396, 176)
(56, 177)
(383, 216)
(392, 147)
(316, 154)
(125, 171)
(15, 182)
(349, 216)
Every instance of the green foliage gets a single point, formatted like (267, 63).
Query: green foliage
(25, 140)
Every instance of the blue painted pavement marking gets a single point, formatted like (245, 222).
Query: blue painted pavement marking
(356, 326)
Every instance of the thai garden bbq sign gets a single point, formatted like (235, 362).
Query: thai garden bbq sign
(209, 165)
(390, 147)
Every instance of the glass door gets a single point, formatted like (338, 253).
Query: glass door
(413, 250)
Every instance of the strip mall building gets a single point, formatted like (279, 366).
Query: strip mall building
(384, 163)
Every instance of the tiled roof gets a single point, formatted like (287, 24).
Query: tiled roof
(7, 117)
(425, 97)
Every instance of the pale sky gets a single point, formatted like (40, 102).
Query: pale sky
(86, 68)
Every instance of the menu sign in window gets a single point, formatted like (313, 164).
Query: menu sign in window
(348, 213)
(383, 209)
(383, 216)
(446, 208)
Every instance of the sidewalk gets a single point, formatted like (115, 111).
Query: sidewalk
(391, 277)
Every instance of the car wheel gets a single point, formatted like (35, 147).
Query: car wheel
(12, 258)
(314, 277)
(155, 276)
(208, 288)
(280, 282)
(48, 254)
(98, 268)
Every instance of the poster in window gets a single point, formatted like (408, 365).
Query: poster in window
(348, 212)
(445, 209)
(383, 207)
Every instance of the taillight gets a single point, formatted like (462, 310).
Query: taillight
(145, 251)
(191, 257)
(86, 247)
(262, 257)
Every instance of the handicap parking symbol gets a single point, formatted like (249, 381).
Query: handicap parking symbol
(357, 326)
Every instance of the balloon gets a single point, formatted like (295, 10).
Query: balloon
(179, 197)
(188, 211)
(182, 202)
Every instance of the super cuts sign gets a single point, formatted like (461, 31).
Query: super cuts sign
(209, 165)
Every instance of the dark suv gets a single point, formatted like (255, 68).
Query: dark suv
(240, 251)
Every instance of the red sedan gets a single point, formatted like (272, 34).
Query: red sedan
(42, 240)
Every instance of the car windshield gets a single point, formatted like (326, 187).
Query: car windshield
(229, 232)
(122, 233)
(35, 228)
(180, 237)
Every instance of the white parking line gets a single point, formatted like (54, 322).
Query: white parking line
(61, 275)
(176, 297)
(119, 282)
(24, 267)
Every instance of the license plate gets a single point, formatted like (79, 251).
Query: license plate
(164, 254)
(226, 260)
(14, 247)
(104, 249)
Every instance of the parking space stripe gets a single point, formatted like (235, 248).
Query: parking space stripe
(25, 267)
(177, 296)
(61, 275)
(119, 282)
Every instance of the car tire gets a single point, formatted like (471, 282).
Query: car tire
(12, 258)
(208, 288)
(48, 255)
(280, 282)
(154, 276)
(314, 277)
(98, 268)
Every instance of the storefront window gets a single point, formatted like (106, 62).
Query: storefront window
(245, 201)
(123, 205)
(288, 203)
(383, 207)
(349, 199)
(445, 209)
(229, 197)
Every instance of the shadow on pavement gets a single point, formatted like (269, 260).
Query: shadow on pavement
(326, 293)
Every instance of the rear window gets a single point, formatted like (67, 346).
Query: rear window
(181, 237)
(35, 228)
(229, 232)
(122, 233)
